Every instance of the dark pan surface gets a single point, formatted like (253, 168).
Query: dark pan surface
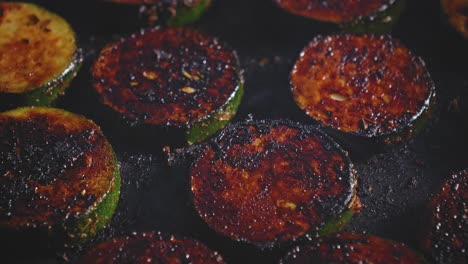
(395, 183)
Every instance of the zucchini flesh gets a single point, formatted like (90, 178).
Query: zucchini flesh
(353, 248)
(365, 85)
(40, 54)
(446, 240)
(63, 180)
(338, 11)
(151, 247)
(266, 183)
(170, 77)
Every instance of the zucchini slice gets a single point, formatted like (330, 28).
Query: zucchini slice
(356, 16)
(457, 13)
(270, 182)
(447, 238)
(171, 77)
(353, 249)
(38, 54)
(59, 181)
(366, 85)
(171, 12)
(151, 248)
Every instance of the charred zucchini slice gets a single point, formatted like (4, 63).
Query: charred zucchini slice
(59, 177)
(366, 85)
(175, 78)
(270, 182)
(171, 12)
(447, 239)
(457, 13)
(151, 248)
(38, 54)
(353, 249)
(356, 16)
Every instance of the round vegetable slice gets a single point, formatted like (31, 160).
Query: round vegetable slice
(353, 249)
(356, 16)
(59, 181)
(457, 13)
(271, 182)
(39, 54)
(447, 239)
(172, 12)
(365, 85)
(171, 77)
(151, 248)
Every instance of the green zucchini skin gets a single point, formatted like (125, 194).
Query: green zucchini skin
(174, 14)
(193, 92)
(72, 179)
(270, 165)
(187, 15)
(52, 82)
(360, 95)
(216, 121)
(383, 21)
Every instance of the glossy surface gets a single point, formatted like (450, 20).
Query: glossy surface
(270, 182)
(151, 248)
(366, 84)
(36, 46)
(166, 76)
(337, 11)
(353, 249)
(447, 239)
(54, 165)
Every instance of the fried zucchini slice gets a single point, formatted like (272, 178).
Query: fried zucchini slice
(59, 181)
(366, 85)
(171, 77)
(38, 54)
(151, 248)
(353, 249)
(270, 182)
(447, 237)
(365, 16)
(172, 12)
(457, 13)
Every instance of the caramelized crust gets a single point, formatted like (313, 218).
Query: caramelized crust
(457, 12)
(166, 76)
(337, 11)
(353, 249)
(151, 248)
(36, 47)
(53, 165)
(362, 84)
(447, 241)
(271, 182)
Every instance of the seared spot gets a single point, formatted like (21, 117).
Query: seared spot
(43, 157)
(447, 238)
(372, 86)
(353, 248)
(338, 11)
(166, 76)
(151, 248)
(36, 47)
(270, 182)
